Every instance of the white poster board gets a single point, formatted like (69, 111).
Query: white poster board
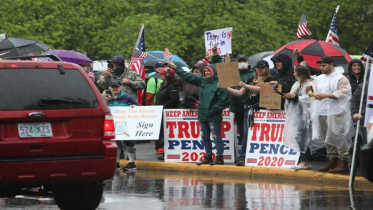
(138, 123)
(182, 136)
(222, 38)
(265, 146)
(369, 106)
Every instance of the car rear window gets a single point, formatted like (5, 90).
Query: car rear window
(27, 89)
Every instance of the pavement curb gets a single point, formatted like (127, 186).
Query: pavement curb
(253, 172)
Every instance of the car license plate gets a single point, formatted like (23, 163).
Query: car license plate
(33, 130)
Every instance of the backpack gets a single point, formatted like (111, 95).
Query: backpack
(156, 90)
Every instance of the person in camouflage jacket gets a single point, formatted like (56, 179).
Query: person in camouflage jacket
(130, 80)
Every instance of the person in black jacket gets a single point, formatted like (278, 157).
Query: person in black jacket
(355, 105)
(355, 74)
(285, 77)
(168, 97)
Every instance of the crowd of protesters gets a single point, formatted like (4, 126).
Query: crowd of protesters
(316, 102)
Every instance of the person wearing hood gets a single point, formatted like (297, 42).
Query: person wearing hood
(355, 74)
(285, 77)
(191, 92)
(130, 81)
(212, 102)
(236, 103)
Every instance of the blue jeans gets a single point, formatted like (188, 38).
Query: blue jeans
(215, 128)
(244, 137)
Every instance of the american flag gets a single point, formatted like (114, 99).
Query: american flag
(333, 31)
(136, 62)
(137, 65)
(368, 54)
(167, 53)
(302, 27)
(45, 58)
(139, 54)
(205, 61)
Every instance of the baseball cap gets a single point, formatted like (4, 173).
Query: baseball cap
(163, 71)
(262, 63)
(326, 59)
(159, 64)
(115, 83)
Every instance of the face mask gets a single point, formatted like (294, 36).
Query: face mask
(243, 65)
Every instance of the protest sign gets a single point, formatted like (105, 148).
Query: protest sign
(268, 98)
(265, 146)
(138, 123)
(228, 74)
(222, 38)
(182, 136)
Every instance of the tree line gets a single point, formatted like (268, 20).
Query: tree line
(103, 28)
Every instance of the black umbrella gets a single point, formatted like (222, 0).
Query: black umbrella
(155, 56)
(10, 47)
(253, 59)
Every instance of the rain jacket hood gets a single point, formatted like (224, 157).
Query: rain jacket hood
(350, 67)
(352, 78)
(212, 100)
(213, 71)
(287, 63)
(119, 59)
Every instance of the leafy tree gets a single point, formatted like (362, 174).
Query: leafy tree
(105, 28)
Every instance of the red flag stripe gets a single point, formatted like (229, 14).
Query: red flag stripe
(167, 53)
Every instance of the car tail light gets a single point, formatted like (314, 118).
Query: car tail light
(109, 129)
(21, 65)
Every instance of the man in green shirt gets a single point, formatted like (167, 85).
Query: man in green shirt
(153, 85)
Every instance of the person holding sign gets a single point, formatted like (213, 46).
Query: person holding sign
(285, 77)
(117, 97)
(251, 92)
(212, 101)
(237, 102)
(297, 131)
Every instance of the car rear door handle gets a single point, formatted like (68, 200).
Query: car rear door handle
(36, 115)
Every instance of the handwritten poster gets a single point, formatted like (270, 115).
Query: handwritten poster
(228, 74)
(268, 97)
(222, 38)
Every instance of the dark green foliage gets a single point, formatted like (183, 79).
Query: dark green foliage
(102, 28)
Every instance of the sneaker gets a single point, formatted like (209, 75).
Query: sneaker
(130, 167)
(159, 150)
(160, 157)
(118, 166)
(240, 162)
(301, 166)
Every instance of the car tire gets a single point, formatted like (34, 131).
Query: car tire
(85, 196)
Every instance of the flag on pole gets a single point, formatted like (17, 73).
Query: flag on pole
(205, 61)
(136, 62)
(368, 54)
(333, 31)
(137, 65)
(302, 27)
(48, 52)
(167, 53)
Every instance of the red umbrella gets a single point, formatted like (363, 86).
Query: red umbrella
(312, 50)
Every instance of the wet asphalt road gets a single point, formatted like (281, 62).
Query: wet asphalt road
(170, 190)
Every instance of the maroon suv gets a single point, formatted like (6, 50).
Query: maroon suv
(55, 133)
